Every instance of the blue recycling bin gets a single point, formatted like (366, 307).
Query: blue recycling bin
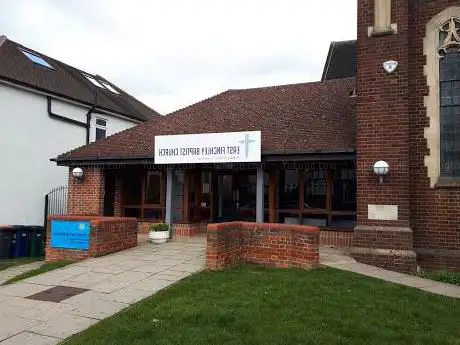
(21, 242)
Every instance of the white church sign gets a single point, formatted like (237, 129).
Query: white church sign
(229, 147)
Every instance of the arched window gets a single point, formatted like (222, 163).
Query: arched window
(449, 100)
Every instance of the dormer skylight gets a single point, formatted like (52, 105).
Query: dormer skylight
(36, 59)
(93, 80)
(110, 87)
(100, 83)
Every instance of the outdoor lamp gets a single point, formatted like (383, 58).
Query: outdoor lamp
(381, 169)
(77, 173)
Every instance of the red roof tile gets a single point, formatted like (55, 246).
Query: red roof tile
(298, 117)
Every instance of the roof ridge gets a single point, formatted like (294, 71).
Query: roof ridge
(328, 60)
(344, 42)
(3, 39)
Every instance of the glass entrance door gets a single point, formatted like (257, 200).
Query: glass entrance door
(236, 196)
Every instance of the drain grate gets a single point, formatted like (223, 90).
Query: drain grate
(57, 294)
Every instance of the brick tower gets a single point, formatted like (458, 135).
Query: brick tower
(383, 235)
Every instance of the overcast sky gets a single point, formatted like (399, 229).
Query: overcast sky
(172, 53)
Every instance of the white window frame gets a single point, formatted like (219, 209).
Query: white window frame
(98, 126)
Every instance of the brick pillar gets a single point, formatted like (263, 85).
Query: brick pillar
(117, 201)
(87, 197)
(383, 235)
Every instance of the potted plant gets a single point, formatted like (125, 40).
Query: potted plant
(159, 233)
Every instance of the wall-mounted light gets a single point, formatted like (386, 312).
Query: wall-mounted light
(78, 174)
(381, 168)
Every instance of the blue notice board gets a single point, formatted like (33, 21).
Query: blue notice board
(70, 234)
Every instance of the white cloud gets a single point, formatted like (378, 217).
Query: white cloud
(172, 53)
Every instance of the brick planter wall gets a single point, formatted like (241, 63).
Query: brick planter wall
(279, 245)
(107, 235)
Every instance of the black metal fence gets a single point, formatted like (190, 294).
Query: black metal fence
(55, 202)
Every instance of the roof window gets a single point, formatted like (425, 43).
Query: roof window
(36, 59)
(108, 86)
(93, 80)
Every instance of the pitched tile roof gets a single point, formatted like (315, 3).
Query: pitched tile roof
(341, 60)
(66, 81)
(300, 117)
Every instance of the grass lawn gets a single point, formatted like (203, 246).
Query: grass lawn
(7, 263)
(42, 269)
(253, 305)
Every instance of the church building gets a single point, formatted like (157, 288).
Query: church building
(369, 153)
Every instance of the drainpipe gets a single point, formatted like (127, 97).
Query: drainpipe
(88, 122)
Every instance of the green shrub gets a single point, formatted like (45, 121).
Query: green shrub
(445, 277)
(159, 227)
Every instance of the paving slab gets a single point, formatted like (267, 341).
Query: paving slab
(152, 284)
(150, 268)
(339, 260)
(97, 308)
(127, 295)
(12, 325)
(91, 278)
(51, 278)
(30, 309)
(130, 276)
(63, 326)
(444, 289)
(22, 289)
(28, 338)
(11, 272)
(110, 285)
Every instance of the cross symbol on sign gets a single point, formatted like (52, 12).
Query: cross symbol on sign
(246, 143)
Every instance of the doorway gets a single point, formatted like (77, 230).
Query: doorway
(109, 193)
(235, 196)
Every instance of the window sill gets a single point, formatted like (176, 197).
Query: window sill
(446, 182)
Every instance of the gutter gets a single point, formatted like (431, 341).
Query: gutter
(63, 118)
(86, 125)
(268, 156)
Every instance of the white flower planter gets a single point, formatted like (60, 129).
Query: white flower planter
(158, 237)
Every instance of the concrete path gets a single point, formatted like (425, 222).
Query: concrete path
(338, 258)
(14, 271)
(113, 283)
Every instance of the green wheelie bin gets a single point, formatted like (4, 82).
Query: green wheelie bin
(37, 241)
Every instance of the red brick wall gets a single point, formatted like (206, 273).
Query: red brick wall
(280, 245)
(391, 122)
(87, 197)
(186, 229)
(435, 212)
(107, 235)
(336, 237)
(383, 115)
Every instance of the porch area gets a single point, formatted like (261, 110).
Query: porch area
(190, 196)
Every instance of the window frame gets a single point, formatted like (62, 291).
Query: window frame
(432, 132)
(100, 127)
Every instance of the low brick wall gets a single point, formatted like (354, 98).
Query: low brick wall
(281, 245)
(337, 237)
(107, 235)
